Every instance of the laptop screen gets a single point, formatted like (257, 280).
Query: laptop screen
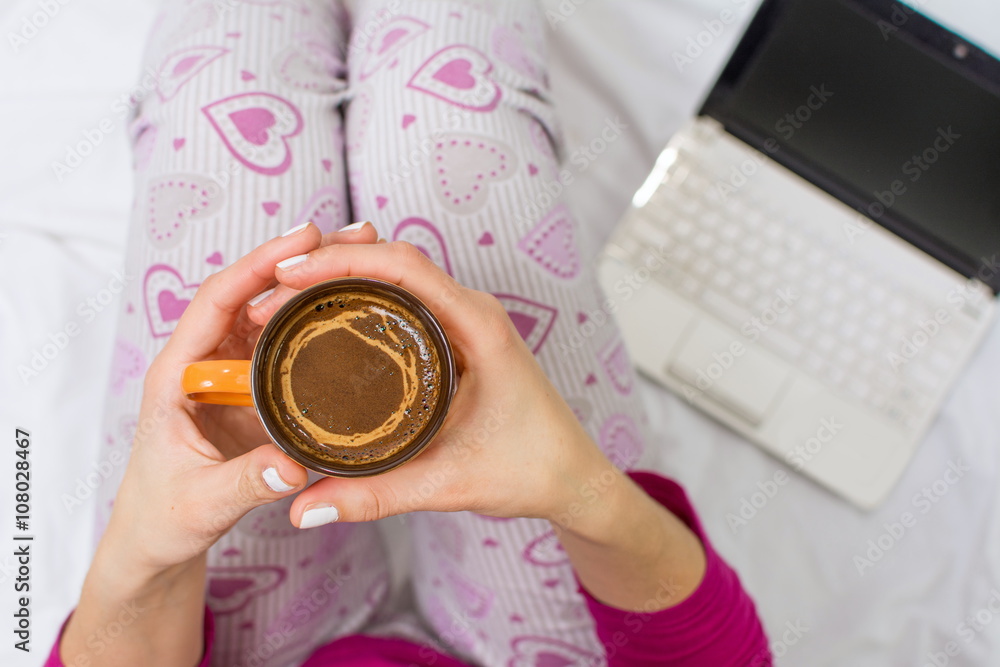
(882, 108)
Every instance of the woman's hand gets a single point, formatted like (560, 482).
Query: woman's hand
(510, 446)
(181, 491)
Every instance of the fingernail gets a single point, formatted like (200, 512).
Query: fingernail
(292, 261)
(355, 226)
(297, 228)
(319, 515)
(257, 300)
(274, 481)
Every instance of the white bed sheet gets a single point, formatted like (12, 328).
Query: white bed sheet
(61, 241)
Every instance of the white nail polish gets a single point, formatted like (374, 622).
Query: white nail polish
(319, 515)
(292, 261)
(274, 481)
(259, 299)
(297, 228)
(355, 226)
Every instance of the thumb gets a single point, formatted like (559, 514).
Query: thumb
(256, 478)
(356, 500)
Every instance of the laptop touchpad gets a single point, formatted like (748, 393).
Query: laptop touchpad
(729, 369)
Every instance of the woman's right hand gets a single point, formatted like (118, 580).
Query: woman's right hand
(509, 447)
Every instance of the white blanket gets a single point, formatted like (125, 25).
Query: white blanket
(60, 242)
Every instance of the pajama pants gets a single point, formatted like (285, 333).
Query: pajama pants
(431, 118)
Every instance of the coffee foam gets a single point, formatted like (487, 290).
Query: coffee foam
(355, 378)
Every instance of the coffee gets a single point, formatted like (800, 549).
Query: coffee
(353, 377)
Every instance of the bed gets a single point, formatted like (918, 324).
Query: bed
(931, 594)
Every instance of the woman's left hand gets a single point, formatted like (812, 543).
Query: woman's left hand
(195, 468)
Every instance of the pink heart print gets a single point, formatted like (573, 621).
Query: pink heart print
(547, 652)
(447, 536)
(387, 42)
(426, 237)
(459, 75)
(533, 320)
(166, 296)
(325, 209)
(508, 46)
(444, 622)
(474, 599)
(465, 166)
(617, 366)
(175, 200)
(359, 118)
(129, 363)
(552, 244)
(310, 64)
(545, 551)
(305, 611)
(256, 128)
(178, 68)
(127, 427)
(621, 441)
(271, 522)
(232, 588)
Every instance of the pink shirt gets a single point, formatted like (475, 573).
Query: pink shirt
(717, 625)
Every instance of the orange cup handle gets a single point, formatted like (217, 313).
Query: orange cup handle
(219, 382)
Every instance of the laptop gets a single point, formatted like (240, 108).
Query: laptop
(816, 256)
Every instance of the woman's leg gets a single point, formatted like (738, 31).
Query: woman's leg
(238, 139)
(452, 146)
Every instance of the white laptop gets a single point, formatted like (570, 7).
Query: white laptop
(816, 256)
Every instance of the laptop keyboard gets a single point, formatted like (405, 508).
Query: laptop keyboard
(799, 295)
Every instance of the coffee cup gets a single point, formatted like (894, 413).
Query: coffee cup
(350, 377)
